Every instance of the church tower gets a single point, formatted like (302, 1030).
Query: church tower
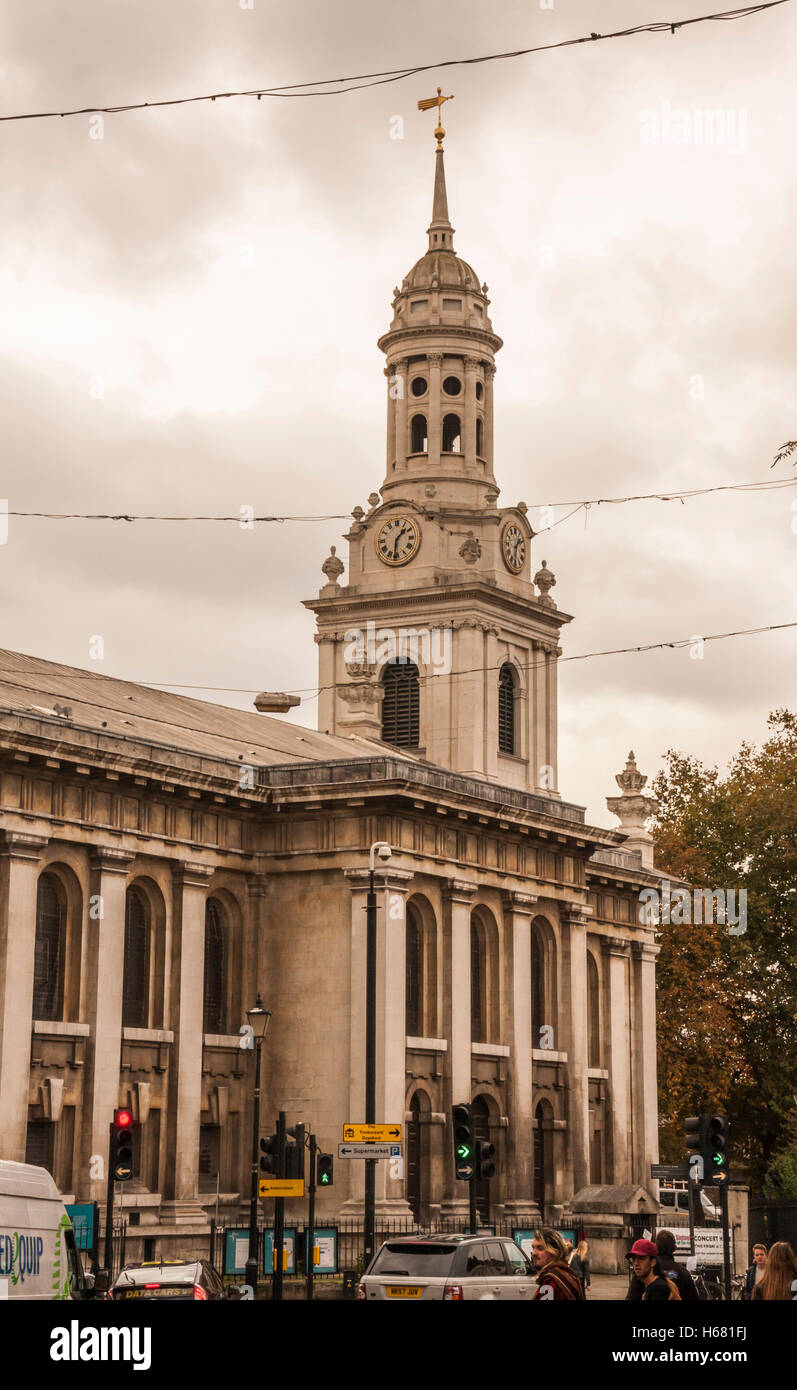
(441, 642)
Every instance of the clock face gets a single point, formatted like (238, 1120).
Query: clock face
(514, 548)
(397, 540)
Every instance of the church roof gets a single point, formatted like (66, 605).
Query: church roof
(124, 710)
(447, 268)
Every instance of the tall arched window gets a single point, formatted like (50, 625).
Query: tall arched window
(593, 1012)
(49, 950)
(506, 709)
(414, 974)
(401, 704)
(478, 983)
(215, 969)
(537, 989)
(418, 439)
(479, 438)
(135, 988)
(451, 434)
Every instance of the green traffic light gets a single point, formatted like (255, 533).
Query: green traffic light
(463, 1151)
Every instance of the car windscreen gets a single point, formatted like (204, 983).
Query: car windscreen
(417, 1261)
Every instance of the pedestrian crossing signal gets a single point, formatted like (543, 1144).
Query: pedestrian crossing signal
(325, 1170)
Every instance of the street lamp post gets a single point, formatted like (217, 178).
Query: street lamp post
(259, 1018)
(382, 850)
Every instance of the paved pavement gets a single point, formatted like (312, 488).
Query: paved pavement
(608, 1286)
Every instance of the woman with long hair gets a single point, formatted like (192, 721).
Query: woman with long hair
(779, 1281)
(579, 1263)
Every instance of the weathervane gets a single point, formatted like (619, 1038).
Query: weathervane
(437, 101)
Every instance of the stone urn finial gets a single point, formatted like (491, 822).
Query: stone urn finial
(631, 780)
(545, 580)
(333, 568)
(633, 808)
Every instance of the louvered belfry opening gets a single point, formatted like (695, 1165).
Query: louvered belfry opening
(48, 974)
(401, 723)
(213, 1021)
(135, 990)
(506, 710)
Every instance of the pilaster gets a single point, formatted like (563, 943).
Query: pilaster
(20, 861)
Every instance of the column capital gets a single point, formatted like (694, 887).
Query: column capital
(615, 946)
(522, 904)
(575, 914)
(434, 358)
(644, 950)
(187, 875)
(458, 890)
(104, 860)
(472, 363)
(15, 845)
(256, 885)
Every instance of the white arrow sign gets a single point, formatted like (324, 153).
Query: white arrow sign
(369, 1151)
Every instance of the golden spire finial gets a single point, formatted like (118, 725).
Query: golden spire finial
(427, 104)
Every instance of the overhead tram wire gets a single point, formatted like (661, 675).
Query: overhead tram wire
(664, 495)
(677, 643)
(362, 81)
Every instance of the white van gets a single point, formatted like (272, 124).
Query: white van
(38, 1254)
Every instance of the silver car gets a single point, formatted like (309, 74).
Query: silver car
(455, 1268)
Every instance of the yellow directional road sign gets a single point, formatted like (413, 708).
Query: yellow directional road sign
(371, 1134)
(280, 1187)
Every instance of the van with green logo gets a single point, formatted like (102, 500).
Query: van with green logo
(38, 1253)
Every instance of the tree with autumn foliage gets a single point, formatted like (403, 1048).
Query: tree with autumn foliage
(727, 1004)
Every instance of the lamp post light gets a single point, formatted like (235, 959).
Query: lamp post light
(259, 1018)
(382, 850)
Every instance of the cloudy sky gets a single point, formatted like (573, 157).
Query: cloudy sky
(191, 305)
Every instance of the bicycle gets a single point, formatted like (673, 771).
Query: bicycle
(707, 1288)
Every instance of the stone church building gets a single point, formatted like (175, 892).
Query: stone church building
(162, 859)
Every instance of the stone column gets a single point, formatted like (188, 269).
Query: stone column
(328, 695)
(458, 899)
(391, 1026)
(643, 1061)
(472, 365)
(434, 427)
(537, 703)
(20, 857)
(188, 967)
(574, 918)
(489, 378)
(400, 440)
(390, 432)
(616, 952)
(467, 697)
(104, 976)
(520, 1203)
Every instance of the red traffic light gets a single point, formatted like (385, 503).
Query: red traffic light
(122, 1119)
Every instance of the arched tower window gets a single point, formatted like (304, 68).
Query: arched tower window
(480, 438)
(593, 1012)
(418, 435)
(451, 435)
(48, 960)
(506, 709)
(135, 987)
(544, 998)
(215, 972)
(414, 972)
(401, 704)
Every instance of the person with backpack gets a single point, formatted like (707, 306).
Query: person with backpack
(556, 1280)
(678, 1273)
(643, 1258)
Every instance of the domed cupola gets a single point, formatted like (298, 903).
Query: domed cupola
(440, 351)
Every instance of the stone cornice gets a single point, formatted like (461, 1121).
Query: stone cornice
(104, 860)
(458, 890)
(645, 950)
(521, 904)
(615, 946)
(192, 875)
(389, 341)
(15, 845)
(351, 603)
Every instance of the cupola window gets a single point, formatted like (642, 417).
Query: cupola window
(452, 385)
(506, 709)
(479, 390)
(419, 386)
(418, 435)
(480, 438)
(451, 435)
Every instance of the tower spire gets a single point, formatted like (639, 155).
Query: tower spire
(440, 232)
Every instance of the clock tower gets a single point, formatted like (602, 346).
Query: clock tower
(442, 642)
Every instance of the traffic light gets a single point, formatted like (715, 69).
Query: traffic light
(463, 1142)
(325, 1172)
(122, 1146)
(269, 1155)
(485, 1153)
(715, 1154)
(294, 1153)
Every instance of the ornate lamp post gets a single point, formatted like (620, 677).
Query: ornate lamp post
(259, 1018)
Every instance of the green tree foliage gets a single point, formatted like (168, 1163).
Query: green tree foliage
(727, 1005)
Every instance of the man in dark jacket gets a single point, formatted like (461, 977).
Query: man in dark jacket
(682, 1279)
(555, 1278)
(755, 1273)
(643, 1257)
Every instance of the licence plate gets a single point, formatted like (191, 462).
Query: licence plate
(403, 1291)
